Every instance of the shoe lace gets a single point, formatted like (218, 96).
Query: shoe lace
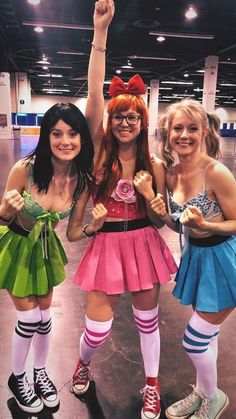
(203, 410)
(151, 398)
(25, 390)
(191, 398)
(81, 373)
(43, 381)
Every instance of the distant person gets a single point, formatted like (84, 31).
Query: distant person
(126, 252)
(41, 190)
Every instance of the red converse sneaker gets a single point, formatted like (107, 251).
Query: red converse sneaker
(151, 399)
(80, 380)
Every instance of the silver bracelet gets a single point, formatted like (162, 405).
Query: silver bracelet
(87, 235)
(98, 48)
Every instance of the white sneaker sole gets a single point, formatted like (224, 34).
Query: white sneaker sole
(143, 416)
(51, 403)
(27, 409)
(223, 408)
(80, 392)
(169, 416)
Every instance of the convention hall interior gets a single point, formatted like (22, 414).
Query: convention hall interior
(179, 48)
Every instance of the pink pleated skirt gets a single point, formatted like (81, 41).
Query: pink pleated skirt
(125, 261)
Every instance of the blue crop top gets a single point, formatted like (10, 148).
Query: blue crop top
(209, 207)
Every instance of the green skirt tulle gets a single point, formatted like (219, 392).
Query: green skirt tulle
(24, 270)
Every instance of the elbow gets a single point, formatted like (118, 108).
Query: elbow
(69, 236)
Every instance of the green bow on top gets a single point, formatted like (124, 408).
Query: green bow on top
(43, 220)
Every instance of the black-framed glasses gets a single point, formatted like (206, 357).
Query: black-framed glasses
(131, 118)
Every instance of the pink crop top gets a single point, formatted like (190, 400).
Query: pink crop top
(123, 200)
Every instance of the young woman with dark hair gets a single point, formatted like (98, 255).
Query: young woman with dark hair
(41, 190)
(126, 252)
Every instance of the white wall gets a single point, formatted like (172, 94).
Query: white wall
(40, 104)
(225, 114)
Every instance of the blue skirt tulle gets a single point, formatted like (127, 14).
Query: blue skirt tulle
(207, 277)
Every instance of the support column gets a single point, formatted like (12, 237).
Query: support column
(153, 107)
(22, 93)
(210, 81)
(5, 107)
(145, 95)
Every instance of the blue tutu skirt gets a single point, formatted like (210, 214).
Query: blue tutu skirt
(207, 277)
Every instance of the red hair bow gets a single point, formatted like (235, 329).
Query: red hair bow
(135, 86)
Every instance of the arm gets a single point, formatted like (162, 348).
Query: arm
(75, 225)
(12, 201)
(158, 203)
(223, 185)
(102, 17)
(143, 184)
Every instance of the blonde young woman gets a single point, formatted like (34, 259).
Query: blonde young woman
(202, 201)
(125, 252)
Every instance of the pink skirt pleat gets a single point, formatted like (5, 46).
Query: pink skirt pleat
(126, 261)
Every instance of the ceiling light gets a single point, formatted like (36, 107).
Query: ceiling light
(50, 75)
(191, 12)
(133, 70)
(227, 84)
(43, 61)
(39, 29)
(182, 35)
(70, 53)
(186, 75)
(34, 2)
(177, 82)
(59, 25)
(66, 67)
(144, 57)
(224, 97)
(55, 90)
(127, 66)
(227, 62)
(161, 38)
(45, 67)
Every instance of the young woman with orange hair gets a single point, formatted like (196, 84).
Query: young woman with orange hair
(126, 252)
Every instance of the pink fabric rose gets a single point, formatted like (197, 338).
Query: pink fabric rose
(124, 191)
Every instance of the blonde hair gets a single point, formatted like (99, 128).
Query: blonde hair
(195, 111)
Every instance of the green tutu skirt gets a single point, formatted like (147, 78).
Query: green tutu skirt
(24, 269)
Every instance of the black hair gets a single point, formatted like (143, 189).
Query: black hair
(42, 154)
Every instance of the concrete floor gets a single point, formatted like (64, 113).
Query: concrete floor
(117, 367)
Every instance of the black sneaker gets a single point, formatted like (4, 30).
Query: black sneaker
(24, 394)
(45, 388)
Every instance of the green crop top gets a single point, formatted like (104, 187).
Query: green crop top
(35, 211)
(43, 218)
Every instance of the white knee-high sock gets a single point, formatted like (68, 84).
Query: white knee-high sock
(28, 323)
(198, 339)
(42, 338)
(94, 335)
(147, 324)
